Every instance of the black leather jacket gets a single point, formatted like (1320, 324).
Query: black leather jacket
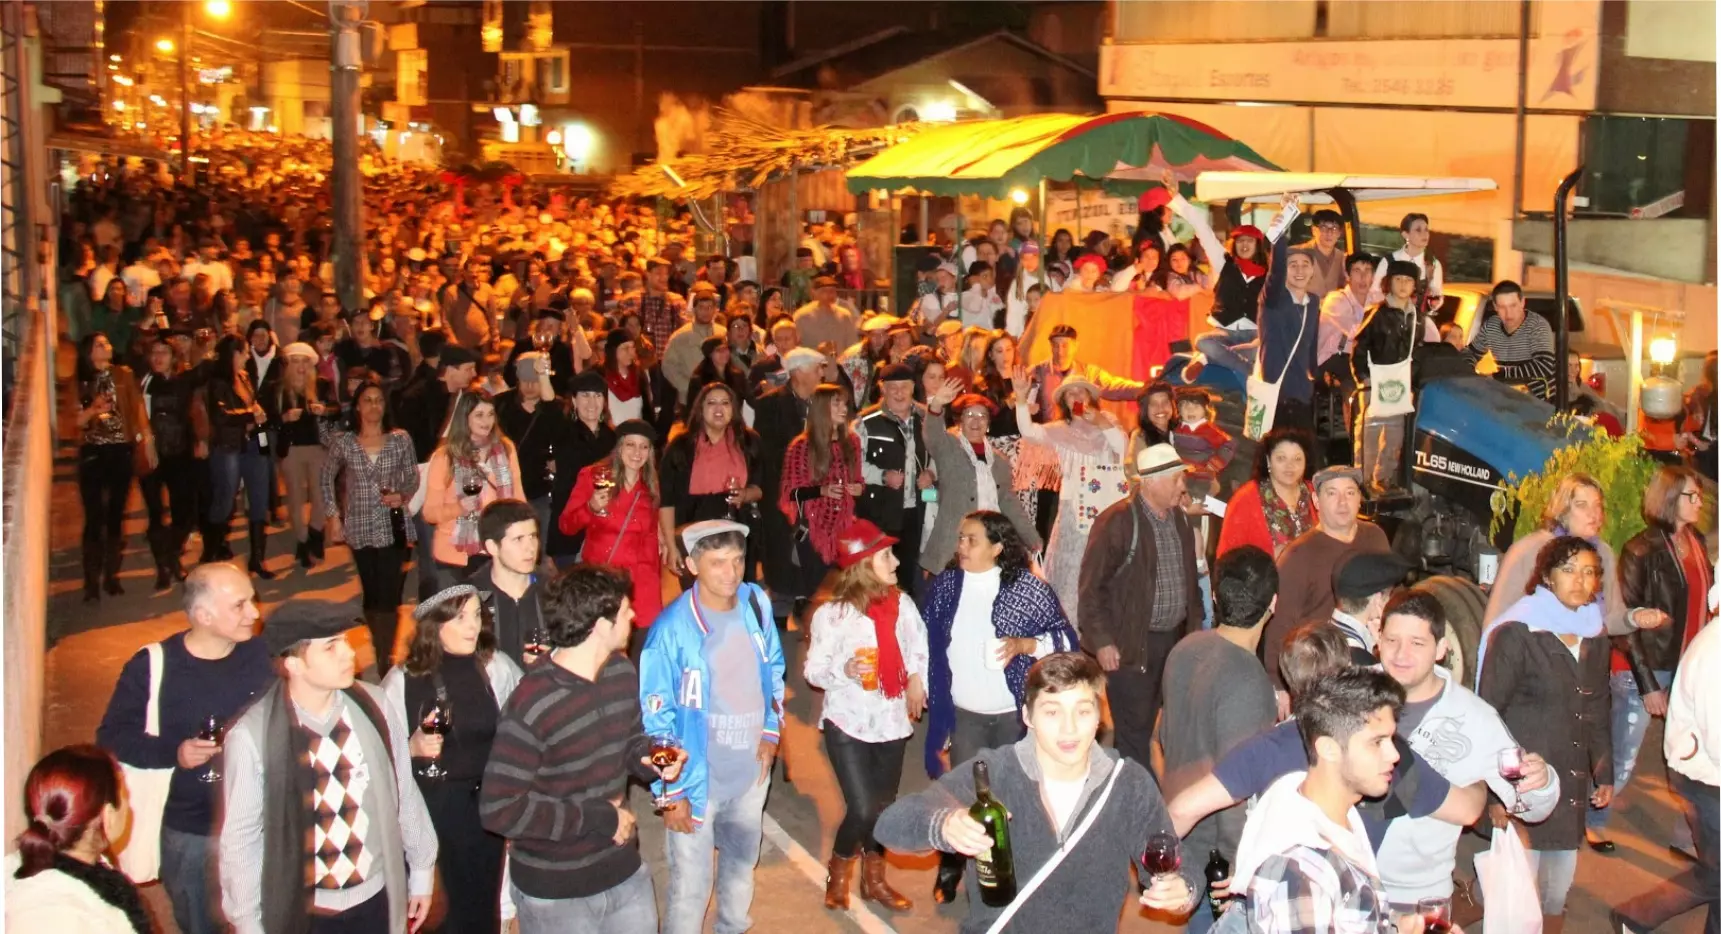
(170, 413)
(1650, 576)
(1385, 337)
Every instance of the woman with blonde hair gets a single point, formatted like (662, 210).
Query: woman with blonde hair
(474, 466)
(615, 503)
(821, 481)
(303, 401)
(1575, 509)
(869, 655)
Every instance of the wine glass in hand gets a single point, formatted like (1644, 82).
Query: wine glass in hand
(211, 732)
(733, 486)
(1163, 855)
(664, 751)
(603, 481)
(1511, 762)
(435, 720)
(1436, 914)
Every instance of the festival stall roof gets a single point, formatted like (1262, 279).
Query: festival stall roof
(744, 154)
(990, 157)
(1225, 186)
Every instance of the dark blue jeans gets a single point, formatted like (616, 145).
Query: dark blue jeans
(227, 467)
(187, 875)
(1699, 884)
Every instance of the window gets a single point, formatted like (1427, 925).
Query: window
(1651, 166)
(553, 73)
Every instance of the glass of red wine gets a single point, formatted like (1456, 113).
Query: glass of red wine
(603, 478)
(1511, 762)
(733, 486)
(211, 732)
(1163, 855)
(534, 645)
(663, 752)
(435, 720)
(1436, 914)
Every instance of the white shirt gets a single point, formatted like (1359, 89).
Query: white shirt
(622, 411)
(1692, 745)
(839, 630)
(1341, 314)
(1436, 275)
(980, 307)
(1062, 797)
(220, 276)
(139, 278)
(976, 686)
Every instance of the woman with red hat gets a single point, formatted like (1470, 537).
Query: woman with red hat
(869, 655)
(1090, 273)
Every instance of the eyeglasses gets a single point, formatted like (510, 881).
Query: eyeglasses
(1695, 496)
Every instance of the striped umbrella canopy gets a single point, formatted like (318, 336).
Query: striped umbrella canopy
(990, 157)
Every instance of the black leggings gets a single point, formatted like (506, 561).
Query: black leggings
(176, 476)
(472, 878)
(382, 572)
(104, 483)
(868, 774)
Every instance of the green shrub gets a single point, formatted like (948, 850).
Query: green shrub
(1620, 465)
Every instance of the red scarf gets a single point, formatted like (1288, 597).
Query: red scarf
(624, 386)
(1249, 267)
(892, 673)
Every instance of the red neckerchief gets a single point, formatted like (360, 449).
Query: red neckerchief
(624, 386)
(1249, 267)
(892, 673)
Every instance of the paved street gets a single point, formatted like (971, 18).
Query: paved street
(89, 644)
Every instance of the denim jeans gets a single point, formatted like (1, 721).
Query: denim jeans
(227, 467)
(733, 828)
(187, 870)
(1554, 871)
(1233, 350)
(1630, 721)
(629, 908)
(1206, 584)
(1698, 884)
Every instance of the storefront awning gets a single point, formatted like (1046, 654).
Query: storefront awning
(990, 157)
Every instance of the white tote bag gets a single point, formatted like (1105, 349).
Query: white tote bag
(1510, 903)
(146, 790)
(1261, 403)
(1389, 394)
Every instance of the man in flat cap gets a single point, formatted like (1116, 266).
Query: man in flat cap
(362, 857)
(1307, 564)
(896, 467)
(711, 675)
(1362, 584)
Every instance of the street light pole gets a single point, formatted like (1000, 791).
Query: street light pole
(185, 91)
(344, 112)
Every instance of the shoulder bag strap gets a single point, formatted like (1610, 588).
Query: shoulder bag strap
(1292, 353)
(152, 713)
(637, 493)
(1046, 870)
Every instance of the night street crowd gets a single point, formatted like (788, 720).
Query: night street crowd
(547, 402)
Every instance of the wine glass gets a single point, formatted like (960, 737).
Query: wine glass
(435, 720)
(1436, 914)
(1511, 762)
(603, 478)
(541, 340)
(211, 731)
(1163, 855)
(733, 485)
(550, 463)
(534, 644)
(663, 753)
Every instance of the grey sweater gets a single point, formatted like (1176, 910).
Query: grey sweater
(1087, 892)
(1216, 696)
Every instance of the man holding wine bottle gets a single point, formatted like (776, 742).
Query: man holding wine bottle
(711, 675)
(1087, 814)
(210, 671)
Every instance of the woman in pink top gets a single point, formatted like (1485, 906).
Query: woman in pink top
(474, 466)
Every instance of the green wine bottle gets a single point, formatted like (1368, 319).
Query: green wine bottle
(995, 865)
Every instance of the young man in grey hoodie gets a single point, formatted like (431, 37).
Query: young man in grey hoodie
(1049, 782)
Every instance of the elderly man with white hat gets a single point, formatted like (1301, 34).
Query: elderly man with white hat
(1139, 594)
(711, 677)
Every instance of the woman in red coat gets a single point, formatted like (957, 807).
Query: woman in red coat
(1278, 504)
(615, 503)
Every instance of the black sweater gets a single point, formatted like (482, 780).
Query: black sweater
(191, 689)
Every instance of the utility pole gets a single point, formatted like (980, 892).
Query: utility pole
(344, 109)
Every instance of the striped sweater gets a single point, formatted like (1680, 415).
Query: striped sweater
(564, 749)
(1525, 356)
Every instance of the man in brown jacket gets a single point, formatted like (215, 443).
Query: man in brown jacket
(1307, 564)
(1139, 593)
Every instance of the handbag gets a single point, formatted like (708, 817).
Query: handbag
(140, 851)
(1389, 394)
(1045, 871)
(1262, 398)
(1510, 903)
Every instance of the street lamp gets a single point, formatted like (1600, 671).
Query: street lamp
(164, 45)
(219, 9)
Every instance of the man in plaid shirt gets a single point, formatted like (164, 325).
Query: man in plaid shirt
(1305, 865)
(660, 310)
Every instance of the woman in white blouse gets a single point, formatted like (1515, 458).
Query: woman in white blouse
(869, 655)
(1090, 445)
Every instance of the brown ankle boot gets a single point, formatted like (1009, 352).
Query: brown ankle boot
(837, 877)
(875, 889)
